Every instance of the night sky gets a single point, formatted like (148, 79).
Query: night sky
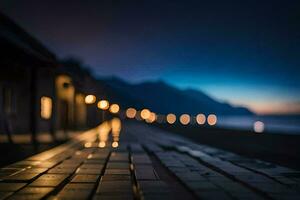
(244, 52)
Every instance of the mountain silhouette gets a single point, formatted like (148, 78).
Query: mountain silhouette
(163, 98)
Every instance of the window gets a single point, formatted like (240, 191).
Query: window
(46, 107)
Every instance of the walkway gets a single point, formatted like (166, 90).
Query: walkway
(147, 164)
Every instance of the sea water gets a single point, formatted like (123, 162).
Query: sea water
(271, 124)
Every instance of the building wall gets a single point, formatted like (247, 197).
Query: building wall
(15, 97)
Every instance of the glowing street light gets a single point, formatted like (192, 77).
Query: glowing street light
(200, 118)
(151, 118)
(90, 99)
(103, 105)
(185, 119)
(114, 108)
(212, 119)
(171, 118)
(145, 113)
(115, 144)
(102, 144)
(130, 113)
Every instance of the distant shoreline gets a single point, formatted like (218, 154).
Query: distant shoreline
(273, 124)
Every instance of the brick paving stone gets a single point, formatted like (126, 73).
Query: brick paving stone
(36, 170)
(99, 156)
(85, 179)
(46, 183)
(111, 187)
(10, 171)
(25, 177)
(92, 166)
(141, 159)
(113, 197)
(116, 177)
(76, 191)
(76, 195)
(88, 171)
(25, 163)
(36, 190)
(119, 157)
(92, 161)
(46, 164)
(213, 195)
(62, 170)
(117, 171)
(66, 164)
(153, 187)
(136, 148)
(4, 195)
(49, 180)
(79, 186)
(201, 185)
(146, 173)
(10, 187)
(74, 162)
(117, 165)
(27, 196)
(190, 176)
(153, 147)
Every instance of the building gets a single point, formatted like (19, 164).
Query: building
(38, 93)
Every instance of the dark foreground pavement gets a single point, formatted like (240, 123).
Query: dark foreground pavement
(148, 164)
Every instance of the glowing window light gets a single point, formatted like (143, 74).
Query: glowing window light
(212, 119)
(130, 113)
(145, 113)
(114, 108)
(103, 105)
(171, 118)
(185, 119)
(115, 144)
(90, 99)
(259, 127)
(46, 107)
(200, 118)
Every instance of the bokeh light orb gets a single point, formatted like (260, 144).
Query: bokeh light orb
(90, 99)
(258, 127)
(200, 118)
(115, 144)
(102, 144)
(171, 118)
(114, 108)
(145, 113)
(212, 119)
(130, 113)
(103, 105)
(185, 119)
(151, 118)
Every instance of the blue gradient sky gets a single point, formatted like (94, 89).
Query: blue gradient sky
(247, 53)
